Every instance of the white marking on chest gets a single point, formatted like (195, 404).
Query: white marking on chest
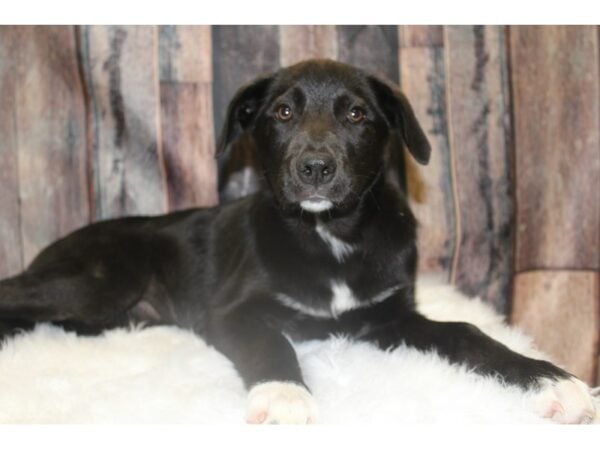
(340, 249)
(342, 300)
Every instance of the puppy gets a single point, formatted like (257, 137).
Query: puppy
(324, 247)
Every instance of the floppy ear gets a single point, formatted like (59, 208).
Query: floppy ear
(241, 112)
(402, 118)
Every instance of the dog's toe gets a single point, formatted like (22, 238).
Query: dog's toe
(567, 400)
(280, 403)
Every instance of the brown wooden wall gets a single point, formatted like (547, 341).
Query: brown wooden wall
(99, 122)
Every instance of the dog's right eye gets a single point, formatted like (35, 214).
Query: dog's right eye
(356, 114)
(284, 113)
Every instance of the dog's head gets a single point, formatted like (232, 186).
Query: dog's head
(320, 128)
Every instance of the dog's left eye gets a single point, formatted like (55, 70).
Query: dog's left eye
(284, 113)
(356, 114)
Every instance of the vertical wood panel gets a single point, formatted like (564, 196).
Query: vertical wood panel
(189, 144)
(299, 42)
(50, 129)
(240, 54)
(421, 35)
(187, 115)
(478, 114)
(185, 53)
(555, 86)
(423, 79)
(373, 48)
(121, 68)
(10, 223)
(560, 310)
(555, 83)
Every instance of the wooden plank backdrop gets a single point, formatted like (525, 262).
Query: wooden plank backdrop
(558, 308)
(555, 83)
(11, 246)
(423, 79)
(47, 135)
(478, 123)
(121, 66)
(104, 121)
(556, 90)
(188, 141)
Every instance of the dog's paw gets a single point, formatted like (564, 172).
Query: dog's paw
(280, 403)
(566, 400)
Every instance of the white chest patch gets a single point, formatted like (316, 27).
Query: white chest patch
(343, 299)
(340, 249)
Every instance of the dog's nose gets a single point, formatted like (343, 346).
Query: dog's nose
(316, 170)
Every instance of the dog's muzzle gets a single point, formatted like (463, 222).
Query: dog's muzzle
(314, 171)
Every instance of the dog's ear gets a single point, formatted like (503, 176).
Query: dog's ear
(242, 111)
(402, 118)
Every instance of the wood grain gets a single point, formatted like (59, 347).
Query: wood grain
(188, 144)
(185, 58)
(240, 54)
(560, 310)
(370, 47)
(423, 80)
(185, 53)
(555, 82)
(300, 42)
(11, 260)
(421, 36)
(121, 70)
(50, 136)
(478, 114)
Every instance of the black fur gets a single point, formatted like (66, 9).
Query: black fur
(222, 271)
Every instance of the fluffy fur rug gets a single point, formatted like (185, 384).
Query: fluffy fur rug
(168, 375)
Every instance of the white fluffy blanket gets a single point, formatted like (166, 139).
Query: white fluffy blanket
(168, 375)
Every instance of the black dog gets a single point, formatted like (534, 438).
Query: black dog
(326, 246)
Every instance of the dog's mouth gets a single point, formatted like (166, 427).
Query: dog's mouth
(334, 196)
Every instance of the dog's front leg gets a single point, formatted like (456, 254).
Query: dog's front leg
(556, 393)
(268, 365)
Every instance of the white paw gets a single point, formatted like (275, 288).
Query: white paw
(282, 403)
(565, 401)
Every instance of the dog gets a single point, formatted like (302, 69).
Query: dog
(325, 246)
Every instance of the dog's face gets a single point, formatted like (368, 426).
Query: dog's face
(320, 129)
